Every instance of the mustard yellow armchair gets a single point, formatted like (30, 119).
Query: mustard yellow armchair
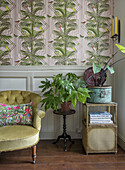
(15, 137)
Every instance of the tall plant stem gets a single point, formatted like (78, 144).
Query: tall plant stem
(106, 69)
(97, 44)
(117, 61)
(110, 60)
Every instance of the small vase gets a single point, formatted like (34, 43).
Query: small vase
(66, 106)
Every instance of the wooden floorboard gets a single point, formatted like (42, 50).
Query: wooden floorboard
(52, 157)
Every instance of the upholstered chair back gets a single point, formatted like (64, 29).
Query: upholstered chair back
(14, 97)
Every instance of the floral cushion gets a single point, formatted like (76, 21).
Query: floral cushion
(16, 114)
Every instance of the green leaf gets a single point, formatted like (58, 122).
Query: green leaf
(27, 30)
(60, 10)
(15, 35)
(71, 14)
(111, 69)
(74, 100)
(48, 16)
(121, 48)
(60, 50)
(71, 53)
(96, 69)
(81, 36)
(49, 55)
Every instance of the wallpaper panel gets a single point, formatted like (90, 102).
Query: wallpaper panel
(44, 32)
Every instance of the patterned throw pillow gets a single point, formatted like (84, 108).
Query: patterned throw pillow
(16, 114)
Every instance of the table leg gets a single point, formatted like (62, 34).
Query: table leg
(64, 135)
(57, 140)
(64, 132)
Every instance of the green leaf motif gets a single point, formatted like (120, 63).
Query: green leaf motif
(64, 43)
(97, 30)
(32, 29)
(5, 40)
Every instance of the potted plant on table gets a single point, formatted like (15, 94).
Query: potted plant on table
(63, 90)
(96, 76)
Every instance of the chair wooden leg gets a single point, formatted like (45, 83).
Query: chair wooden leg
(34, 154)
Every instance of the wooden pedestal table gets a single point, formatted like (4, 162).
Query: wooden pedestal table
(64, 134)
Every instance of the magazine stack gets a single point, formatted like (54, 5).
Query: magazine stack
(100, 118)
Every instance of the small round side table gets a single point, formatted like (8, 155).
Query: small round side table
(64, 134)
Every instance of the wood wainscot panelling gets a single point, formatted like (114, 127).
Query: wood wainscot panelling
(29, 78)
(13, 83)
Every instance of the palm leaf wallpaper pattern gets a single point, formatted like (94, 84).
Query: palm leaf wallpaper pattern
(97, 30)
(5, 37)
(64, 43)
(31, 32)
(45, 32)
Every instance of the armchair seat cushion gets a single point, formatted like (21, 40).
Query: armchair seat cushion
(17, 137)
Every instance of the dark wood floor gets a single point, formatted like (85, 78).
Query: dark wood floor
(52, 157)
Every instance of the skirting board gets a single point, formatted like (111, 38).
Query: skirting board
(121, 142)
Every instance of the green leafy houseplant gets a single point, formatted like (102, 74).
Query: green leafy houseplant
(63, 89)
(98, 75)
(98, 42)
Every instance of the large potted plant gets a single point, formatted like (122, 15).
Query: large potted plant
(96, 76)
(98, 43)
(62, 90)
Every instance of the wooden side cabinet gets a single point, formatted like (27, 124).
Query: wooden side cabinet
(99, 138)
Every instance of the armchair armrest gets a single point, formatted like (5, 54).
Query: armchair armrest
(38, 115)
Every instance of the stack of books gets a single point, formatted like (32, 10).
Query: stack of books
(100, 118)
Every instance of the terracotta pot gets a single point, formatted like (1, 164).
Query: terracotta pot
(66, 106)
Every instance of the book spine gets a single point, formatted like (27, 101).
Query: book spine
(101, 119)
(101, 116)
(101, 122)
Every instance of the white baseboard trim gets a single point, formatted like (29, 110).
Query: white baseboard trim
(121, 141)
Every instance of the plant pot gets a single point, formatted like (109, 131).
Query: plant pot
(65, 106)
(100, 94)
(89, 74)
